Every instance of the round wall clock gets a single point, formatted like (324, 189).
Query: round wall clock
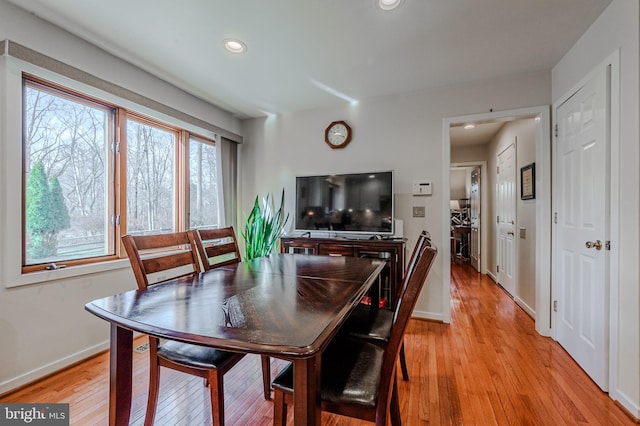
(338, 134)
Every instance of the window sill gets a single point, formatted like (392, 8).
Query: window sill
(69, 272)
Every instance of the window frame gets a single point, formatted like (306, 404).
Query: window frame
(12, 87)
(187, 138)
(178, 189)
(73, 95)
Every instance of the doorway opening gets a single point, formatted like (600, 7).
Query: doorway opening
(466, 196)
(503, 127)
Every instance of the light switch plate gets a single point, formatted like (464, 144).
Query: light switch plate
(418, 211)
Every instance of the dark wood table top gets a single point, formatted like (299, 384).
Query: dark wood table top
(284, 305)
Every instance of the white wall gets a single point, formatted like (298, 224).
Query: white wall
(618, 28)
(523, 133)
(526, 211)
(469, 154)
(458, 184)
(400, 132)
(44, 326)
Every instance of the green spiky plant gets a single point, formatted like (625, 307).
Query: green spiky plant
(263, 227)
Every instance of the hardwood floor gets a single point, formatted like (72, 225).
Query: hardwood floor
(488, 366)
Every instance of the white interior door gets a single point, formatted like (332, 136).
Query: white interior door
(474, 216)
(506, 208)
(582, 224)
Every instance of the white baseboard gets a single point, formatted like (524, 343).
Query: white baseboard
(626, 402)
(30, 376)
(528, 309)
(493, 277)
(428, 316)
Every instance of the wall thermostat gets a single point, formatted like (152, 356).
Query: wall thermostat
(422, 188)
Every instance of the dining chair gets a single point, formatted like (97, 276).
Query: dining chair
(358, 377)
(216, 247)
(174, 254)
(219, 247)
(374, 325)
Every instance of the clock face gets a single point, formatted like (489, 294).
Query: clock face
(338, 134)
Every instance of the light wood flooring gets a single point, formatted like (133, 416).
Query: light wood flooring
(488, 366)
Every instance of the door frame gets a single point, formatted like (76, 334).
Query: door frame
(478, 252)
(542, 117)
(484, 216)
(612, 60)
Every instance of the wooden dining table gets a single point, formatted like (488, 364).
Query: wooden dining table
(286, 306)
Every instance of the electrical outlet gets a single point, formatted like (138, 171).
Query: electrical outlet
(142, 348)
(418, 211)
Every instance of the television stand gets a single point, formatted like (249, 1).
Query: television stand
(391, 251)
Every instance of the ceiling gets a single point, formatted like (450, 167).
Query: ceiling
(481, 134)
(306, 54)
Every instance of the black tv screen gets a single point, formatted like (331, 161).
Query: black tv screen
(350, 203)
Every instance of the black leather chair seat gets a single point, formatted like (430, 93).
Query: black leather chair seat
(350, 373)
(193, 355)
(368, 325)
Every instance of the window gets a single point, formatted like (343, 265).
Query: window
(68, 176)
(151, 188)
(204, 204)
(77, 202)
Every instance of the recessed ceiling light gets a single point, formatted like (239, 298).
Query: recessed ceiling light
(469, 126)
(389, 4)
(235, 45)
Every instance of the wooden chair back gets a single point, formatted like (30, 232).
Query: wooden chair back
(424, 240)
(216, 247)
(403, 312)
(387, 387)
(170, 256)
(162, 256)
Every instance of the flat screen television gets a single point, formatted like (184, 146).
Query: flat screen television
(345, 203)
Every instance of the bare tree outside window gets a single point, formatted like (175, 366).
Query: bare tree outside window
(67, 144)
(151, 154)
(204, 209)
(74, 194)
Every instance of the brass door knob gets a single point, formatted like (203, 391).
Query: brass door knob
(597, 245)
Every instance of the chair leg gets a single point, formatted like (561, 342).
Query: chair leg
(216, 388)
(403, 363)
(396, 419)
(266, 376)
(154, 385)
(279, 408)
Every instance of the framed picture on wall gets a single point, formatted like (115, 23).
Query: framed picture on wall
(528, 182)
